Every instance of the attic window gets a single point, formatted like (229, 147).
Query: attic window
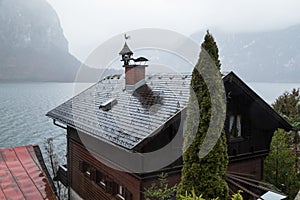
(106, 106)
(235, 128)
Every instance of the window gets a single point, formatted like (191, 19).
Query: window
(120, 191)
(235, 127)
(106, 106)
(100, 179)
(123, 193)
(84, 168)
(110, 186)
(87, 170)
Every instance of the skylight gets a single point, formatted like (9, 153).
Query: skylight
(106, 106)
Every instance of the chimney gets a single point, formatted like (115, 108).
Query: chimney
(134, 69)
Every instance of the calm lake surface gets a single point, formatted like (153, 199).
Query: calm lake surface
(22, 114)
(23, 107)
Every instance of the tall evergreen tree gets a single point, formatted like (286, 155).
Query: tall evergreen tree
(279, 165)
(288, 105)
(205, 175)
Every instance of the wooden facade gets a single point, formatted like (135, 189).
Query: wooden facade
(249, 126)
(89, 177)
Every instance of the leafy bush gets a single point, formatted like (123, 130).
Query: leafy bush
(193, 196)
(160, 191)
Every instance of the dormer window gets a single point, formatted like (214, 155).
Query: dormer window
(235, 126)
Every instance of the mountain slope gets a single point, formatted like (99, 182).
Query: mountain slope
(32, 44)
(272, 56)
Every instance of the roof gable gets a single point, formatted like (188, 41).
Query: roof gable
(264, 106)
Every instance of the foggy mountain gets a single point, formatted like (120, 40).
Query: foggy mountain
(34, 48)
(272, 56)
(32, 44)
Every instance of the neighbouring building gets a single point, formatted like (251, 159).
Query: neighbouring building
(121, 116)
(23, 174)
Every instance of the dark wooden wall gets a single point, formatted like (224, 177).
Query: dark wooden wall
(87, 188)
(258, 123)
(252, 167)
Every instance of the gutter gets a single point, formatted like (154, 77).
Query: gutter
(60, 126)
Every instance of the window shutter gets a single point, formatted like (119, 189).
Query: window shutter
(113, 188)
(93, 174)
(81, 168)
(110, 187)
(107, 185)
(128, 195)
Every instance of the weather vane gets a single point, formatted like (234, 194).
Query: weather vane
(127, 37)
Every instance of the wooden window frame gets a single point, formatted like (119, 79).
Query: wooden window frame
(110, 186)
(120, 191)
(87, 170)
(235, 128)
(100, 179)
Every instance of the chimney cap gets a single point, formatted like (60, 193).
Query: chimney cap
(141, 59)
(125, 50)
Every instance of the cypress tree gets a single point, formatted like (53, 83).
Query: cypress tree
(205, 175)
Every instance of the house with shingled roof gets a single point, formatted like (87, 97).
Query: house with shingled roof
(119, 128)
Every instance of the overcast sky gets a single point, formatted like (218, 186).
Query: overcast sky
(87, 23)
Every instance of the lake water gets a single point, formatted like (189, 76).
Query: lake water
(23, 107)
(22, 114)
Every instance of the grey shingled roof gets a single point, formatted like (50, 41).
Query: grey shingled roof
(125, 50)
(135, 116)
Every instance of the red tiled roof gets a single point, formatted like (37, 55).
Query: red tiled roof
(21, 175)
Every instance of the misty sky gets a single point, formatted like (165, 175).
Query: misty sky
(87, 23)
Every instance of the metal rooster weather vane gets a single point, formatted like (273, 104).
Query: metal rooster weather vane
(127, 37)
